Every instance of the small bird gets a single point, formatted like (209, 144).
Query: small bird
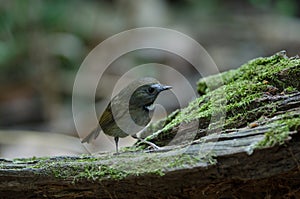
(128, 112)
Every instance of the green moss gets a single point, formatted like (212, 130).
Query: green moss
(257, 70)
(133, 148)
(186, 160)
(290, 89)
(276, 135)
(293, 124)
(148, 164)
(74, 169)
(237, 96)
(116, 167)
(279, 133)
(25, 160)
(98, 172)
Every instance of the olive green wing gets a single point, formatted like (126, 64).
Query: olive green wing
(106, 118)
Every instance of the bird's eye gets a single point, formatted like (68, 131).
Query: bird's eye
(151, 90)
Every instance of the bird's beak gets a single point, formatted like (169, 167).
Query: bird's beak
(165, 88)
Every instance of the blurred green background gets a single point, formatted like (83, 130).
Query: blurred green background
(43, 43)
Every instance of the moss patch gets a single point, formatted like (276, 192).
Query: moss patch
(78, 168)
(240, 96)
(116, 167)
(280, 132)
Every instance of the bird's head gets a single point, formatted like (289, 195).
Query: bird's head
(146, 93)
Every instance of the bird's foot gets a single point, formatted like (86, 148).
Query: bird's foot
(154, 146)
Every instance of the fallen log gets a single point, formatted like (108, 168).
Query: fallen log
(253, 153)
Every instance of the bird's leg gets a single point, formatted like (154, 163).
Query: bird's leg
(154, 146)
(116, 141)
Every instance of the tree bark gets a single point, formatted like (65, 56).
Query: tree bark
(236, 169)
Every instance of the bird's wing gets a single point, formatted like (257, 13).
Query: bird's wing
(106, 118)
(109, 116)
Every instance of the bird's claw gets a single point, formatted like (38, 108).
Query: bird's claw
(154, 146)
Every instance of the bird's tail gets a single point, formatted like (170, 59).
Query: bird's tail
(93, 135)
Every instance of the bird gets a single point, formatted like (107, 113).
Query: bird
(128, 112)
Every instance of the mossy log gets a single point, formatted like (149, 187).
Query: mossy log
(253, 153)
